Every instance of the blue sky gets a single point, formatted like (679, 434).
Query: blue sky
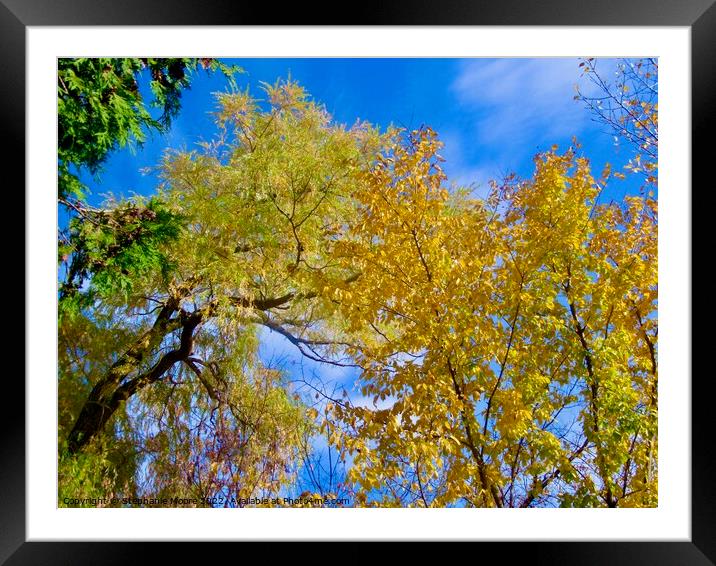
(493, 115)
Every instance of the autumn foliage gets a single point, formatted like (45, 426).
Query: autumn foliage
(507, 344)
(514, 337)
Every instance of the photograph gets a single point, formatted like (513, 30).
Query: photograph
(351, 282)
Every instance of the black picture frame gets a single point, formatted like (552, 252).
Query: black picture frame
(699, 15)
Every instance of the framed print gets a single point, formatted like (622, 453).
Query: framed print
(395, 278)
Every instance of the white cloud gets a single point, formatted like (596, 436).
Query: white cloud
(277, 350)
(459, 170)
(477, 179)
(519, 104)
(367, 402)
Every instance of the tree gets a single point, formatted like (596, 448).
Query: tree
(101, 108)
(168, 375)
(514, 338)
(509, 344)
(629, 107)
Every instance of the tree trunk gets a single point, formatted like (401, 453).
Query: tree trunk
(108, 393)
(117, 386)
